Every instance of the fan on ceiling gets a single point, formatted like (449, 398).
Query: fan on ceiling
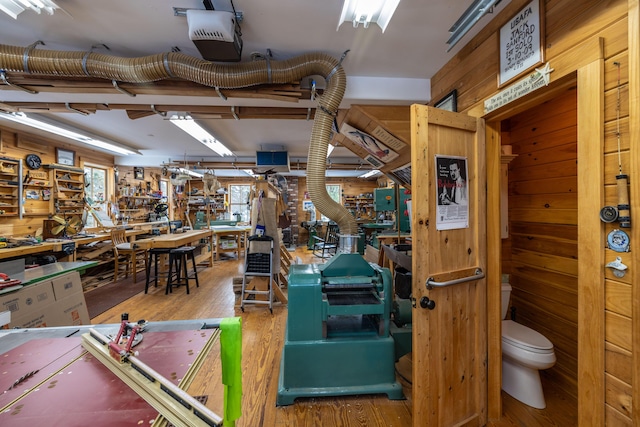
(66, 226)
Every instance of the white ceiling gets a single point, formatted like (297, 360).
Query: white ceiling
(390, 68)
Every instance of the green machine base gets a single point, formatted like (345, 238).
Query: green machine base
(336, 368)
(337, 339)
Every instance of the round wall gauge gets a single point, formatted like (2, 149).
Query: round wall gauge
(618, 241)
(33, 161)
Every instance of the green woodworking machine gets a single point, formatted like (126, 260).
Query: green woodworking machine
(337, 340)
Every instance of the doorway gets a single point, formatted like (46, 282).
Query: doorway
(588, 84)
(539, 251)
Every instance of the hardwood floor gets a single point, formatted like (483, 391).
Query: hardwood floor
(263, 336)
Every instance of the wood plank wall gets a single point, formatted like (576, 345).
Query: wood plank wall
(541, 253)
(18, 145)
(570, 25)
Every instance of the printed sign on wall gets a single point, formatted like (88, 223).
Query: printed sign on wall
(521, 43)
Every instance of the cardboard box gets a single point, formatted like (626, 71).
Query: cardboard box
(228, 244)
(69, 311)
(33, 320)
(66, 285)
(56, 302)
(30, 299)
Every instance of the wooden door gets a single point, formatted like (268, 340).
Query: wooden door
(449, 321)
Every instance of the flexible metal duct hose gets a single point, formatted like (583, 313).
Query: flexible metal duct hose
(225, 76)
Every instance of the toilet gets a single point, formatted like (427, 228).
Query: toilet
(524, 353)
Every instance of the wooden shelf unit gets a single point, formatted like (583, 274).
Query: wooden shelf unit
(197, 202)
(37, 190)
(361, 206)
(68, 190)
(10, 187)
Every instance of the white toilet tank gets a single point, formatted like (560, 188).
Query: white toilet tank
(506, 294)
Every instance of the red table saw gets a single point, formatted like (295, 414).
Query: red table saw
(48, 378)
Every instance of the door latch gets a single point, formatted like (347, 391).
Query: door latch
(425, 302)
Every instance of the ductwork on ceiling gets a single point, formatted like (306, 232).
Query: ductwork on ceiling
(224, 76)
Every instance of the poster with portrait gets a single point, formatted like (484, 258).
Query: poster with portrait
(371, 144)
(451, 192)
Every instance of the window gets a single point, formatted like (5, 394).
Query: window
(95, 191)
(334, 192)
(164, 188)
(239, 203)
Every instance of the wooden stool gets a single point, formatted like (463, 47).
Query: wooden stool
(154, 254)
(178, 258)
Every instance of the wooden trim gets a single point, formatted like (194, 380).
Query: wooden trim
(564, 67)
(494, 271)
(591, 297)
(634, 170)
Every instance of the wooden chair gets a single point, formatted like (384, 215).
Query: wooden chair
(128, 251)
(327, 246)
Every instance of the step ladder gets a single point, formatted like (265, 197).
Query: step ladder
(258, 263)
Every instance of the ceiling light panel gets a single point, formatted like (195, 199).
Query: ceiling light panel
(367, 11)
(13, 8)
(50, 126)
(187, 124)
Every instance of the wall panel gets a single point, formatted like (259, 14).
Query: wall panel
(18, 145)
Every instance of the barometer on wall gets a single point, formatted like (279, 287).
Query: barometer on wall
(618, 241)
(33, 161)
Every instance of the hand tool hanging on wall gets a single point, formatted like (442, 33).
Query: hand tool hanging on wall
(622, 180)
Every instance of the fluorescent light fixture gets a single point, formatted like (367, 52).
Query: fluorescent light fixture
(56, 128)
(369, 174)
(189, 172)
(248, 172)
(469, 18)
(367, 11)
(187, 124)
(13, 8)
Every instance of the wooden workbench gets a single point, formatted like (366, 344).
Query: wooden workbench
(175, 240)
(237, 233)
(57, 246)
(21, 251)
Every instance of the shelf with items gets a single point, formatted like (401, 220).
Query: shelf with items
(68, 190)
(361, 206)
(140, 201)
(36, 193)
(138, 208)
(10, 187)
(202, 209)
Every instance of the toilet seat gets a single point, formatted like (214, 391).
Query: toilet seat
(525, 338)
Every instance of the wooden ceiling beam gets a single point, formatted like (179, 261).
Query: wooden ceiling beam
(136, 111)
(289, 92)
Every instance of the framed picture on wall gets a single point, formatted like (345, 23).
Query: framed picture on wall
(521, 42)
(449, 102)
(138, 173)
(65, 157)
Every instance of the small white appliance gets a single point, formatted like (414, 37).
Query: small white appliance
(216, 34)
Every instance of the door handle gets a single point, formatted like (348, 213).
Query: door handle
(425, 302)
(477, 275)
